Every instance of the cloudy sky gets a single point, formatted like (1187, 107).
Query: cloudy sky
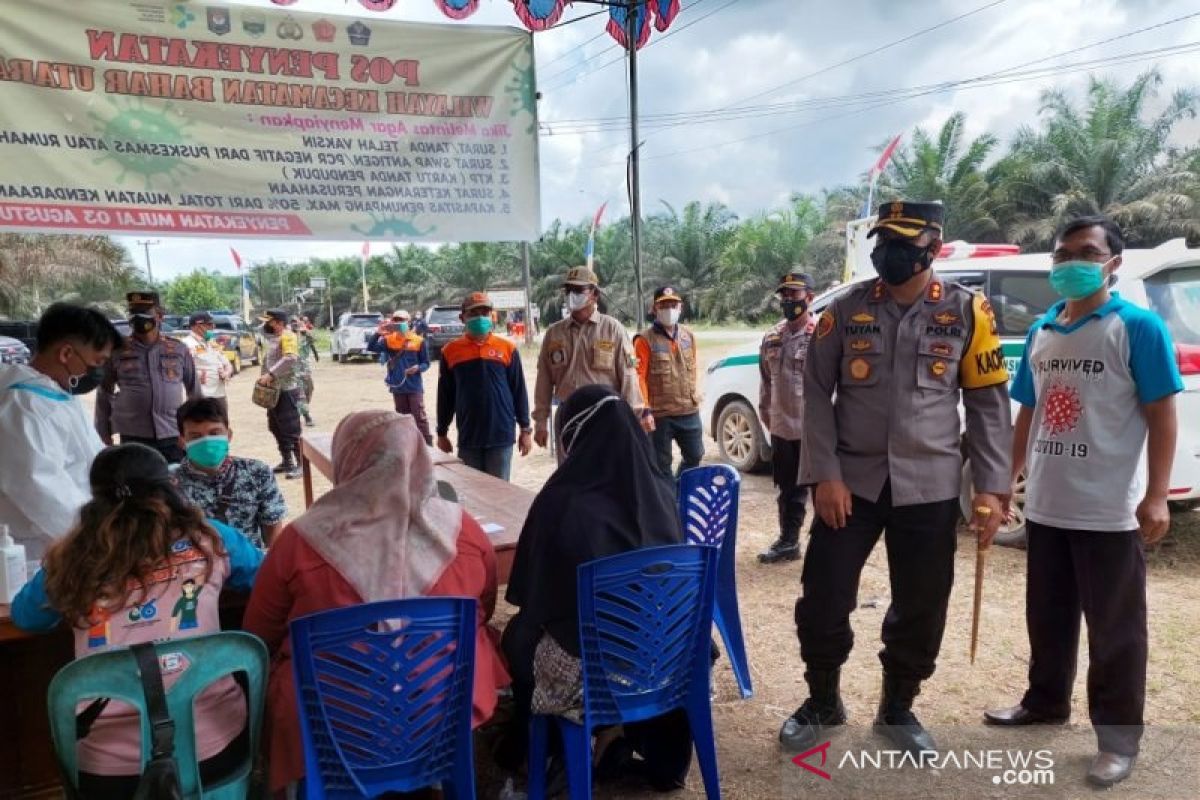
(803, 93)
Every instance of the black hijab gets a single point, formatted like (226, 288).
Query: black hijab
(606, 498)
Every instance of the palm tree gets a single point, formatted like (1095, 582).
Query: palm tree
(686, 250)
(949, 169)
(763, 249)
(35, 267)
(1109, 155)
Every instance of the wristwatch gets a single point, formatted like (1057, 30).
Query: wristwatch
(526, 430)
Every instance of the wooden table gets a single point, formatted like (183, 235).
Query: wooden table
(489, 500)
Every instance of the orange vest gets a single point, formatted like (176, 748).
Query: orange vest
(671, 374)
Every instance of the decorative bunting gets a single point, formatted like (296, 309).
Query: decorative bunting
(538, 15)
(664, 13)
(457, 9)
(617, 19)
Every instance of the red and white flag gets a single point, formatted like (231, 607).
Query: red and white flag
(366, 251)
(885, 156)
(237, 259)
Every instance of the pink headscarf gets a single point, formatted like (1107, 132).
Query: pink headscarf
(383, 526)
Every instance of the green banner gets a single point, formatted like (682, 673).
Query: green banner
(208, 120)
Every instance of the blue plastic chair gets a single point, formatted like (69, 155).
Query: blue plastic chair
(384, 692)
(114, 674)
(708, 507)
(645, 624)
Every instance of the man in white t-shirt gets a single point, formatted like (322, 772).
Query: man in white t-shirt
(213, 370)
(1096, 384)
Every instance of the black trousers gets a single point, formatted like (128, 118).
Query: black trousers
(785, 469)
(1101, 576)
(920, 542)
(284, 423)
(169, 448)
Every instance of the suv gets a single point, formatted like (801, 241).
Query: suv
(1165, 279)
(442, 326)
(13, 351)
(352, 334)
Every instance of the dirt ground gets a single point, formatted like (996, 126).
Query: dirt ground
(751, 764)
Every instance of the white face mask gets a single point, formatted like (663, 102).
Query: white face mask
(667, 316)
(578, 300)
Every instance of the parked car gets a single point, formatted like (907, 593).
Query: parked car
(442, 326)
(175, 322)
(240, 342)
(24, 331)
(123, 327)
(352, 334)
(1165, 279)
(13, 351)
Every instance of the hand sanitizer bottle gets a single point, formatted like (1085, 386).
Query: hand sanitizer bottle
(12, 571)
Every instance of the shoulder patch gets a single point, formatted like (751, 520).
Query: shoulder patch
(825, 324)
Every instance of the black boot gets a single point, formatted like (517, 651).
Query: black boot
(292, 465)
(282, 466)
(823, 709)
(896, 720)
(784, 548)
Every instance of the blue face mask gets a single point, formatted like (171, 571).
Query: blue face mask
(1076, 280)
(208, 452)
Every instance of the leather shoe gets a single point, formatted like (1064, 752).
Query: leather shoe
(1109, 769)
(1019, 715)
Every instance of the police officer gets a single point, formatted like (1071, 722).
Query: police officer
(666, 366)
(212, 367)
(584, 348)
(146, 382)
(781, 408)
(280, 366)
(900, 353)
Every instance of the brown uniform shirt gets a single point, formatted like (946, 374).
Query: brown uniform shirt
(576, 354)
(781, 360)
(881, 395)
(667, 370)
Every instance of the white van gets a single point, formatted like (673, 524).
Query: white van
(1165, 279)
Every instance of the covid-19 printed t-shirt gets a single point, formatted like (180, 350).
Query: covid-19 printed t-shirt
(1087, 383)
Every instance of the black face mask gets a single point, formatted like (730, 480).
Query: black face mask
(267, 329)
(142, 323)
(897, 261)
(87, 382)
(793, 309)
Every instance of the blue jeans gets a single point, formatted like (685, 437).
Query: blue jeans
(688, 432)
(495, 461)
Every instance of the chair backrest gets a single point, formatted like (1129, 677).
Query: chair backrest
(708, 503)
(645, 619)
(198, 660)
(385, 693)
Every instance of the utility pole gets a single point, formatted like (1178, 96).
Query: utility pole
(528, 292)
(632, 8)
(145, 245)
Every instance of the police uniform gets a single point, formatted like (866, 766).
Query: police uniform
(212, 368)
(781, 358)
(281, 358)
(893, 436)
(145, 385)
(576, 354)
(666, 366)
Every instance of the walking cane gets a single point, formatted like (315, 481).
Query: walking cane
(981, 550)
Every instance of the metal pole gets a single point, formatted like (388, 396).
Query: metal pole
(366, 302)
(528, 292)
(282, 292)
(145, 243)
(635, 190)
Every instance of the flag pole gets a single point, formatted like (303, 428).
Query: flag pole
(366, 248)
(635, 192)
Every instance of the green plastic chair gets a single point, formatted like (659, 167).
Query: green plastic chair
(114, 674)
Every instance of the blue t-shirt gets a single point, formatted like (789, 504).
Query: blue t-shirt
(1087, 383)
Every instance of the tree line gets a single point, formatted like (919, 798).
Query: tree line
(1111, 151)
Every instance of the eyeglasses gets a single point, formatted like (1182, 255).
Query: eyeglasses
(1087, 254)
